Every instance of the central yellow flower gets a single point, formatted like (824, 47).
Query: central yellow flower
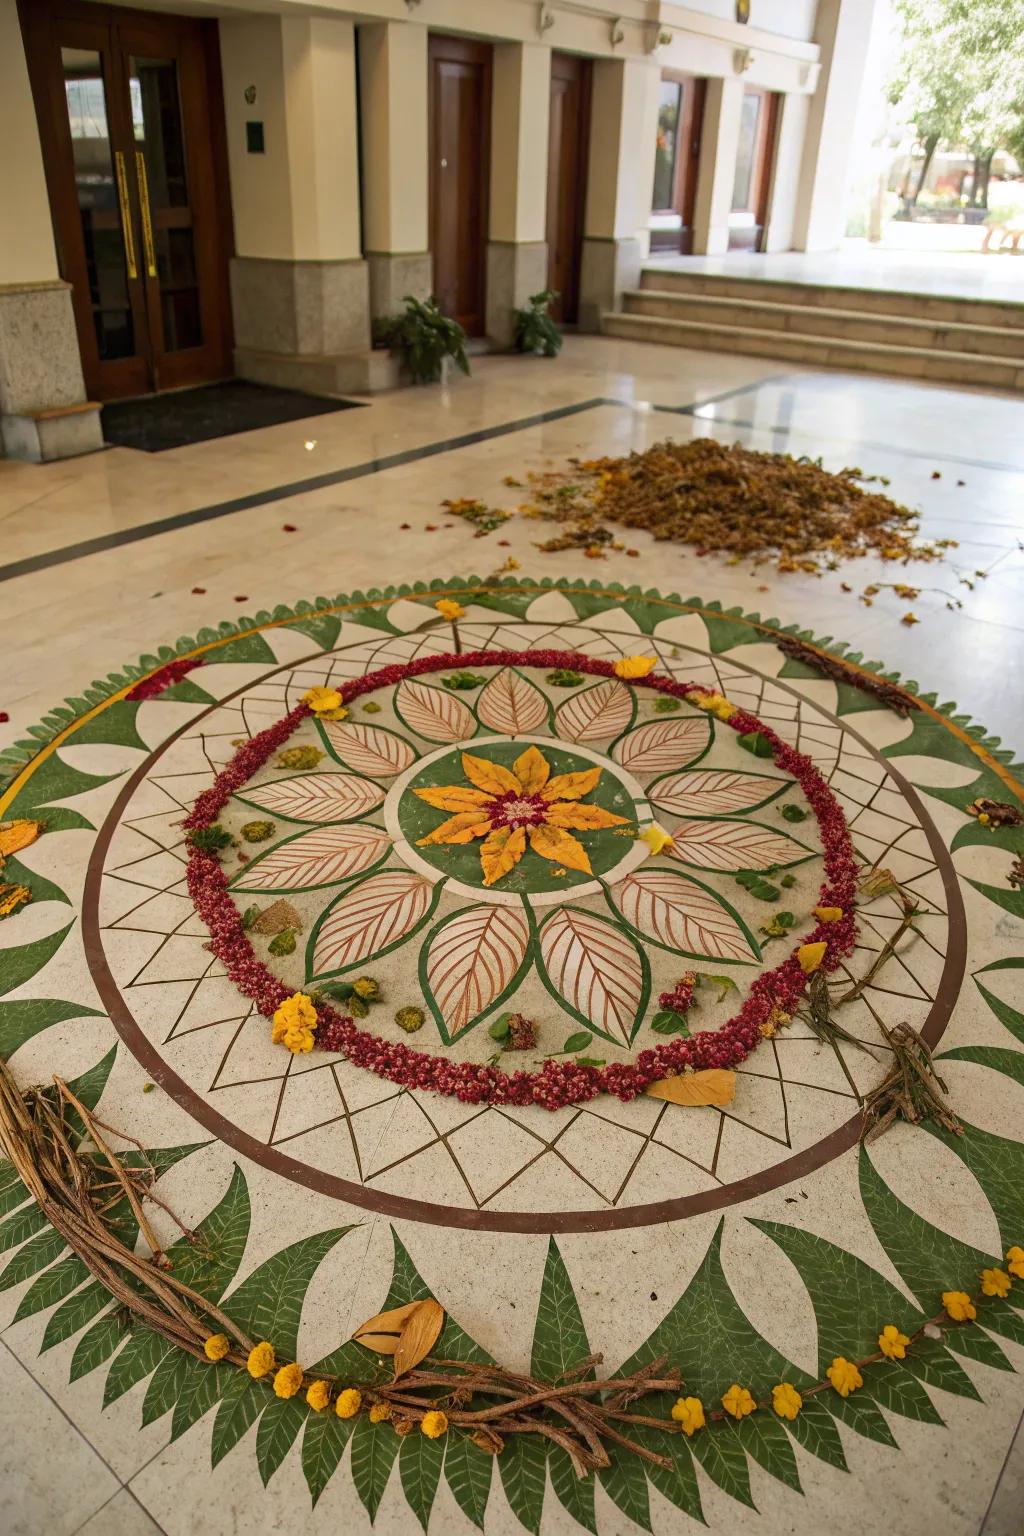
(505, 807)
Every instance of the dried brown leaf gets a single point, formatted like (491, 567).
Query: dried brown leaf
(714, 1086)
(383, 1332)
(419, 1335)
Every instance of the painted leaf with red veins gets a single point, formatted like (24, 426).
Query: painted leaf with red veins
(511, 704)
(469, 961)
(316, 797)
(662, 745)
(714, 792)
(434, 713)
(595, 714)
(680, 914)
(370, 916)
(322, 856)
(597, 969)
(368, 748)
(732, 845)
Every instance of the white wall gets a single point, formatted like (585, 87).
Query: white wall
(789, 18)
(27, 253)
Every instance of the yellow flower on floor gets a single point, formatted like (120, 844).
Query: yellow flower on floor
(810, 956)
(657, 839)
(738, 1401)
(434, 1424)
(892, 1343)
(715, 704)
(1015, 1261)
(959, 1306)
(995, 1282)
(449, 609)
(321, 699)
(288, 1380)
(349, 1403)
(294, 1023)
(380, 1413)
(828, 914)
(631, 667)
(844, 1376)
(688, 1413)
(318, 1395)
(216, 1346)
(504, 807)
(786, 1400)
(261, 1361)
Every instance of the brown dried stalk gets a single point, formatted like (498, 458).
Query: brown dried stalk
(896, 699)
(912, 1090)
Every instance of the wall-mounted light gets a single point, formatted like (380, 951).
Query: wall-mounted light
(250, 94)
(615, 32)
(545, 19)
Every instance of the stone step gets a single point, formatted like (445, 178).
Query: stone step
(834, 324)
(821, 351)
(878, 301)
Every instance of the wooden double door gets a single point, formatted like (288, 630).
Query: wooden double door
(460, 138)
(131, 125)
(568, 152)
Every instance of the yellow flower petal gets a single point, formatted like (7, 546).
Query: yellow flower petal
(1015, 1261)
(571, 786)
(434, 1424)
(448, 608)
(786, 1400)
(216, 1346)
(560, 847)
(348, 1403)
(462, 828)
(892, 1343)
(738, 1401)
(318, 1395)
(532, 770)
(581, 818)
(261, 1361)
(688, 1413)
(322, 698)
(501, 852)
(16, 835)
(288, 1381)
(635, 666)
(492, 778)
(657, 839)
(810, 956)
(828, 914)
(844, 1376)
(995, 1282)
(959, 1306)
(453, 797)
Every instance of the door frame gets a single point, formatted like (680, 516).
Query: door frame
(686, 166)
(443, 47)
(761, 176)
(118, 378)
(582, 70)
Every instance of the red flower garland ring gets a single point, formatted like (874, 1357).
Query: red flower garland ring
(559, 1082)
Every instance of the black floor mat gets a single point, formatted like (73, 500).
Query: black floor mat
(157, 422)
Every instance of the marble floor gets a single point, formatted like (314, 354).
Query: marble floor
(112, 556)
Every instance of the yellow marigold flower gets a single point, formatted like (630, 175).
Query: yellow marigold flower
(1015, 1261)
(810, 956)
(738, 1401)
(349, 1403)
(288, 1380)
(892, 1343)
(366, 988)
(844, 1376)
(995, 1282)
(294, 1023)
(434, 1424)
(688, 1412)
(261, 1361)
(657, 839)
(449, 609)
(959, 1306)
(332, 714)
(715, 704)
(216, 1346)
(379, 1412)
(634, 666)
(786, 1400)
(828, 914)
(318, 1395)
(320, 699)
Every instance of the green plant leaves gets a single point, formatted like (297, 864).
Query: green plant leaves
(523, 1467)
(22, 961)
(268, 1303)
(419, 1465)
(373, 1456)
(467, 1471)
(22, 1019)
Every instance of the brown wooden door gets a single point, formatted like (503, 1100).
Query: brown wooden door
(680, 124)
(755, 158)
(460, 134)
(132, 137)
(568, 151)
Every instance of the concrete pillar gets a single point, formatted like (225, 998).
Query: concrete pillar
(620, 176)
(843, 31)
(716, 170)
(517, 252)
(395, 132)
(785, 182)
(43, 410)
(299, 284)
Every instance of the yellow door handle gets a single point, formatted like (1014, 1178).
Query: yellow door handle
(126, 215)
(147, 223)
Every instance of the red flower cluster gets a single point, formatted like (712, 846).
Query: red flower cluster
(559, 1082)
(165, 677)
(680, 999)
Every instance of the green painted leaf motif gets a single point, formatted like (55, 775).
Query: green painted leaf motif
(559, 1337)
(976, 1345)
(467, 1471)
(373, 1456)
(166, 1385)
(322, 628)
(141, 1354)
(625, 1483)
(42, 889)
(861, 1414)
(22, 961)
(814, 1429)
(680, 1485)
(268, 1303)
(88, 1089)
(243, 1402)
(1011, 1063)
(56, 780)
(52, 1286)
(575, 1494)
(97, 1345)
(419, 1466)
(279, 1427)
(26, 1017)
(210, 1264)
(764, 1438)
(12, 1191)
(932, 1363)
(114, 726)
(721, 1455)
(522, 1465)
(900, 1391)
(998, 1165)
(45, 1246)
(1011, 1017)
(74, 1313)
(407, 1285)
(203, 1386)
(247, 648)
(323, 1446)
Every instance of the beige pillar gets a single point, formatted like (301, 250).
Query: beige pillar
(843, 31)
(620, 175)
(393, 108)
(43, 410)
(717, 166)
(299, 284)
(517, 252)
(785, 173)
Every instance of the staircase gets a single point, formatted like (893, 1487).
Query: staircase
(956, 340)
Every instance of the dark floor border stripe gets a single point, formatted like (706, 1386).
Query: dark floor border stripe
(43, 562)
(696, 406)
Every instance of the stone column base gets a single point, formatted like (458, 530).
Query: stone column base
(393, 274)
(44, 414)
(607, 269)
(514, 272)
(303, 324)
(327, 373)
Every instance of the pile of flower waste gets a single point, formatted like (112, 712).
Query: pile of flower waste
(728, 500)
